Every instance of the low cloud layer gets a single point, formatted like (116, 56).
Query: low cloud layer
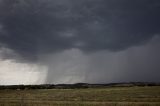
(83, 40)
(38, 27)
(134, 64)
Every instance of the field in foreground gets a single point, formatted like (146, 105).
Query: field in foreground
(113, 96)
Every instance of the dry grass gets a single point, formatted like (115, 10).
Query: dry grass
(117, 96)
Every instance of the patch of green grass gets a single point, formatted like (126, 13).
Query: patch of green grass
(116, 96)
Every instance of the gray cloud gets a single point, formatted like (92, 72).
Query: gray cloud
(75, 38)
(40, 27)
(139, 63)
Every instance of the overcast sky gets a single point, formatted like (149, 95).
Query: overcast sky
(70, 41)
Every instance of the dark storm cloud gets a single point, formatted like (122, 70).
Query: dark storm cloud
(33, 27)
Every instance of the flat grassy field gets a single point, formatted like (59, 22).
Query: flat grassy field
(113, 96)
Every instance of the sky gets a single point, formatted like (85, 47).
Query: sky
(72, 41)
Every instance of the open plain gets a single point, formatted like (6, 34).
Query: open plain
(109, 96)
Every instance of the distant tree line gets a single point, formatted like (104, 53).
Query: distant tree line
(76, 86)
